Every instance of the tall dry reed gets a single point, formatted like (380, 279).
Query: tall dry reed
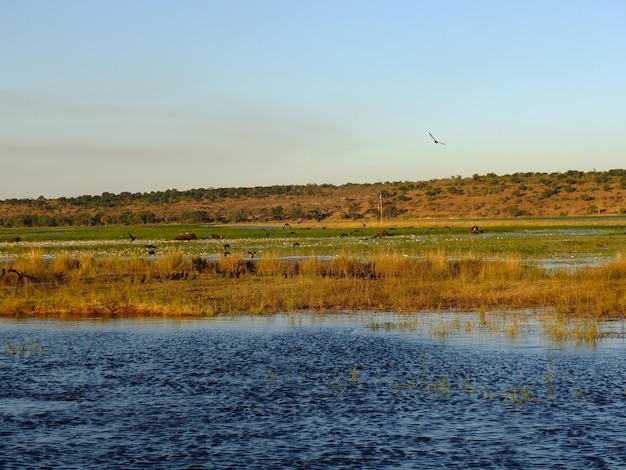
(174, 284)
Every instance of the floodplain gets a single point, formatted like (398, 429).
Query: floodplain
(315, 347)
(572, 268)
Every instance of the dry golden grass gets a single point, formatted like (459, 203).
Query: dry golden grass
(175, 286)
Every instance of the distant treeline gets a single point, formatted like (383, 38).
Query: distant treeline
(509, 195)
(170, 196)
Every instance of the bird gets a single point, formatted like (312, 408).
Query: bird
(251, 253)
(436, 141)
(132, 237)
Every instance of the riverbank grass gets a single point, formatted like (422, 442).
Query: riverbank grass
(176, 285)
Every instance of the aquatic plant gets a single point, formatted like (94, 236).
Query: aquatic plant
(354, 374)
(22, 349)
(579, 395)
(519, 395)
(336, 384)
(439, 385)
(467, 384)
(397, 386)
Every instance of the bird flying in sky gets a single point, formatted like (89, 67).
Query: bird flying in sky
(436, 141)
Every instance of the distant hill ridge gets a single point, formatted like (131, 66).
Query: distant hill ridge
(572, 193)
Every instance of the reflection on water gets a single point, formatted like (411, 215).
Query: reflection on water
(366, 391)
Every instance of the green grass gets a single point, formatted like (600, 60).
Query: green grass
(527, 240)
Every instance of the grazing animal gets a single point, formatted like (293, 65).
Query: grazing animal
(215, 236)
(186, 236)
(15, 240)
(436, 141)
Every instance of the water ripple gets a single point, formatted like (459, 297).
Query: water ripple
(322, 395)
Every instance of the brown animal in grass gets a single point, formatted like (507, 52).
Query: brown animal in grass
(186, 236)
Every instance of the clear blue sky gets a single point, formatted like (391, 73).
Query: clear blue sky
(131, 95)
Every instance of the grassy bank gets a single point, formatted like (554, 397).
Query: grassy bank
(88, 286)
(531, 239)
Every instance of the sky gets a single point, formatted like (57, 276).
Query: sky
(147, 95)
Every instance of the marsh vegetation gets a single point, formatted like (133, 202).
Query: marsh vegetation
(568, 270)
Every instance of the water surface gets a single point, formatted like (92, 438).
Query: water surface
(304, 392)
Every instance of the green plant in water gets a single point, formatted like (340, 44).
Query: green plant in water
(9, 347)
(397, 386)
(519, 395)
(548, 379)
(579, 395)
(336, 385)
(20, 350)
(423, 363)
(467, 386)
(440, 385)
(354, 374)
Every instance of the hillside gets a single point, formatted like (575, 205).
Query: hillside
(573, 193)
